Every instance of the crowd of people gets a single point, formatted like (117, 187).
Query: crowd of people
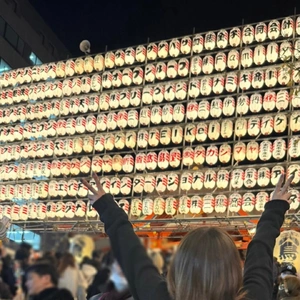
(206, 265)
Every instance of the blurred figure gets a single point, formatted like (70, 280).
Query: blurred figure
(158, 261)
(70, 277)
(41, 282)
(89, 270)
(289, 289)
(7, 272)
(5, 292)
(117, 287)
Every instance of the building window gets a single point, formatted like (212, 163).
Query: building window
(2, 26)
(4, 66)
(35, 60)
(11, 36)
(20, 46)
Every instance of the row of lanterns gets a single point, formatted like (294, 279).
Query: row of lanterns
(205, 86)
(153, 51)
(256, 102)
(151, 160)
(248, 178)
(209, 203)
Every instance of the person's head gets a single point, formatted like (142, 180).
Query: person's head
(66, 260)
(287, 269)
(117, 277)
(289, 289)
(206, 266)
(40, 276)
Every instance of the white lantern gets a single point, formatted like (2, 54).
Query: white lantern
(126, 185)
(210, 179)
(273, 29)
(140, 53)
(172, 183)
(260, 32)
(222, 39)
(248, 34)
(235, 202)
(235, 37)
(221, 203)
(163, 49)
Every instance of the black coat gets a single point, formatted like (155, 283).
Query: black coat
(147, 284)
(53, 294)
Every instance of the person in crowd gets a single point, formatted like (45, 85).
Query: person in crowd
(206, 264)
(276, 273)
(70, 277)
(89, 270)
(117, 287)
(41, 282)
(5, 292)
(287, 269)
(7, 272)
(289, 289)
(101, 278)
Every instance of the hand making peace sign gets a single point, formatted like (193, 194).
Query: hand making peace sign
(97, 194)
(281, 192)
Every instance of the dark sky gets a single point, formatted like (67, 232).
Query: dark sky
(122, 23)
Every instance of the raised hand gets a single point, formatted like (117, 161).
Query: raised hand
(97, 194)
(281, 192)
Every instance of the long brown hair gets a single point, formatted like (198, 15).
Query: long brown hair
(206, 266)
(289, 289)
(67, 260)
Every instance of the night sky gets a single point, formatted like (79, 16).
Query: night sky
(123, 23)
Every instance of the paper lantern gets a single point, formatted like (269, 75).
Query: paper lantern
(130, 139)
(252, 151)
(212, 154)
(130, 55)
(174, 48)
(206, 86)
(258, 78)
(138, 184)
(263, 176)
(214, 129)
(119, 58)
(267, 125)
(99, 62)
(272, 52)
(170, 90)
(186, 45)
(233, 59)
(198, 43)
(297, 47)
(184, 205)
(107, 163)
(235, 37)
(248, 202)
(279, 149)
(152, 51)
(117, 78)
(128, 163)
(199, 155)
(260, 32)
(188, 156)
(142, 139)
(147, 208)
(172, 69)
(127, 76)
(140, 53)
(86, 84)
(156, 115)
(112, 121)
(82, 190)
(216, 108)
(186, 181)
(286, 51)
(150, 183)
(228, 106)
(221, 203)
(239, 151)
(225, 153)
(194, 88)
(261, 199)
(210, 40)
(254, 125)
(282, 100)
(169, 182)
(192, 110)
(60, 209)
(265, 150)
(163, 159)
(235, 202)
(208, 203)
(133, 118)
(220, 61)
(91, 212)
(218, 84)
(198, 179)
(256, 101)
(277, 171)
(222, 39)
(140, 161)
(294, 124)
(151, 161)
(196, 205)
(208, 64)
(76, 86)
(107, 78)
(210, 179)
(231, 82)
(259, 56)
(154, 137)
(125, 187)
(271, 76)
(248, 34)
(183, 67)
(237, 178)
(163, 49)
(138, 75)
(181, 90)
(294, 199)
(159, 206)
(294, 170)
(294, 147)
(99, 143)
(70, 210)
(175, 158)
(167, 113)
(196, 65)
(97, 164)
(115, 185)
(287, 27)
(273, 29)
(226, 129)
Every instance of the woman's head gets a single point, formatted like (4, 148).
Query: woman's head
(66, 260)
(205, 266)
(289, 289)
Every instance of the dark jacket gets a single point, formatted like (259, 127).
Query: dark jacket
(53, 294)
(144, 280)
